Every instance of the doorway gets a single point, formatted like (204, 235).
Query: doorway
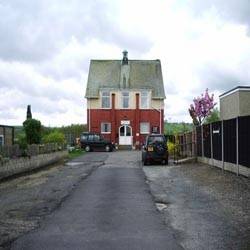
(125, 135)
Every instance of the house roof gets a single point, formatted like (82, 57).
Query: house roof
(238, 88)
(144, 74)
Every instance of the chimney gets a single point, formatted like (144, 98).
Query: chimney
(125, 57)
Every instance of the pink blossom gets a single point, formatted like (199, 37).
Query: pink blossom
(202, 106)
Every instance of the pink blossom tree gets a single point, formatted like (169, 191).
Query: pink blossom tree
(201, 108)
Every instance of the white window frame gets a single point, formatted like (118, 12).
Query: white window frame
(2, 136)
(109, 125)
(148, 99)
(143, 131)
(106, 96)
(123, 92)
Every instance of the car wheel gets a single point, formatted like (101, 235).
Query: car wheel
(164, 162)
(87, 148)
(107, 148)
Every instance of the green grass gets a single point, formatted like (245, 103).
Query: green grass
(75, 153)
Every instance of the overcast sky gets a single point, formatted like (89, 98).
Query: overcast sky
(46, 46)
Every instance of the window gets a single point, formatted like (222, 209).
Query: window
(1, 140)
(155, 129)
(105, 127)
(84, 137)
(125, 100)
(153, 139)
(96, 138)
(106, 99)
(91, 137)
(145, 99)
(144, 127)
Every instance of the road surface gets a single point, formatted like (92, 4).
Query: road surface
(111, 209)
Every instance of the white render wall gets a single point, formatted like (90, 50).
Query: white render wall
(96, 103)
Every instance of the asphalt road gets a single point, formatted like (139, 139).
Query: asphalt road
(26, 199)
(111, 209)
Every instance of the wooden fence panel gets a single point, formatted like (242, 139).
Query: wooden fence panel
(217, 147)
(229, 128)
(198, 141)
(244, 141)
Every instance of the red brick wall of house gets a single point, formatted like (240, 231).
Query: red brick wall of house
(115, 116)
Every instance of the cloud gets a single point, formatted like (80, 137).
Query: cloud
(38, 30)
(231, 10)
(46, 47)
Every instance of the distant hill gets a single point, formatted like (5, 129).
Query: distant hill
(71, 131)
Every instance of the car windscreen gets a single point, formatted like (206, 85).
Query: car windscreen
(153, 139)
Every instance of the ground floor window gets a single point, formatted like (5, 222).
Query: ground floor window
(144, 128)
(155, 129)
(105, 127)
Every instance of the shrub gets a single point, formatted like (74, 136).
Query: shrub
(171, 147)
(32, 128)
(54, 137)
(22, 141)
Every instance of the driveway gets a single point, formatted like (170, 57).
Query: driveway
(111, 209)
(26, 200)
(208, 208)
(106, 201)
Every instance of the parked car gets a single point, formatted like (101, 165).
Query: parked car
(95, 141)
(155, 149)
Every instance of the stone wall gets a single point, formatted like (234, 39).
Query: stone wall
(22, 165)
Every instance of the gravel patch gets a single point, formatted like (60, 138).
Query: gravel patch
(209, 208)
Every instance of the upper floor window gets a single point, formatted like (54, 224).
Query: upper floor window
(125, 100)
(105, 99)
(1, 140)
(145, 99)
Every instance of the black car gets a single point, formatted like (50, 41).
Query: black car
(155, 149)
(95, 141)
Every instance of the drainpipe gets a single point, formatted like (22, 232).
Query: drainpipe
(160, 111)
(160, 121)
(88, 102)
(222, 144)
(237, 145)
(202, 142)
(211, 141)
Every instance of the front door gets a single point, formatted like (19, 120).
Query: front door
(125, 135)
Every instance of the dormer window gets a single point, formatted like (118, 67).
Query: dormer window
(125, 100)
(105, 99)
(145, 99)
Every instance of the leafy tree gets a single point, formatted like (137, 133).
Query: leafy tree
(22, 141)
(201, 108)
(213, 117)
(54, 137)
(32, 129)
(173, 128)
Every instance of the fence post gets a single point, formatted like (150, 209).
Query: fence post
(202, 143)
(211, 142)
(237, 144)
(222, 144)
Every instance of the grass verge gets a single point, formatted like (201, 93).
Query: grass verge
(75, 153)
